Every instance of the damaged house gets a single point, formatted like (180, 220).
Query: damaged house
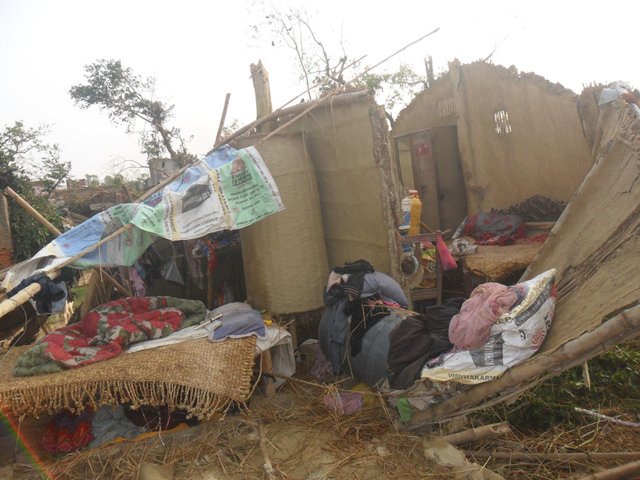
(480, 138)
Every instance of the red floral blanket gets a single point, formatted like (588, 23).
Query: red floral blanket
(107, 330)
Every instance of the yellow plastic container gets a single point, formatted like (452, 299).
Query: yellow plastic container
(415, 212)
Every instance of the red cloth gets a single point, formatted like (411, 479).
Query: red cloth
(470, 329)
(494, 228)
(67, 432)
(446, 259)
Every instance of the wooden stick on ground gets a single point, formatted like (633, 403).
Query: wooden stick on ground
(608, 418)
(617, 473)
(561, 457)
(479, 433)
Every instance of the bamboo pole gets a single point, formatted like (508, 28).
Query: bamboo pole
(560, 457)
(22, 296)
(31, 211)
(622, 326)
(52, 228)
(479, 433)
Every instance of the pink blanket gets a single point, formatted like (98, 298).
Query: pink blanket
(470, 329)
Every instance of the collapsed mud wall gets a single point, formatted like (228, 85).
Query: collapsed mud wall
(518, 134)
(595, 249)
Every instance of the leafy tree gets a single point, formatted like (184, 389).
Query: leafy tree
(92, 180)
(397, 88)
(129, 99)
(22, 153)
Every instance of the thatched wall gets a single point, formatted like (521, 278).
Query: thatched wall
(347, 140)
(595, 245)
(284, 255)
(336, 179)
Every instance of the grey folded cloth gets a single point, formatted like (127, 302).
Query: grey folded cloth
(238, 320)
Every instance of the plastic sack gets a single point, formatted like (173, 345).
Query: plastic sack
(516, 336)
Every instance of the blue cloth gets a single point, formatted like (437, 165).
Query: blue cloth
(238, 320)
(387, 287)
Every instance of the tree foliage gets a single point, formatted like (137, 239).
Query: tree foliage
(321, 65)
(129, 99)
(396, 89)
(24, 157)
(319, 68)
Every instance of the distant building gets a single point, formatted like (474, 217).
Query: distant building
(80, 183)
(159, 169)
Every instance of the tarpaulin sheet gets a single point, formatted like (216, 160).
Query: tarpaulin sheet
(228, 189)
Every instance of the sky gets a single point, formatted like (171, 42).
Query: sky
(200, 50)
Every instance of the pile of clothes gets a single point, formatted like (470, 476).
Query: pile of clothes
(462, 340)
(356, 299)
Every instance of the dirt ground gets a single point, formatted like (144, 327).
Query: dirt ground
(295, 437)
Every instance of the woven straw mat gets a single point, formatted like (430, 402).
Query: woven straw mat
(196, 375)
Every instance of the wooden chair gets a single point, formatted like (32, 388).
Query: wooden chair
(422, 294)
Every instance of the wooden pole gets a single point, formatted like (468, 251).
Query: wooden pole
(560, 457)
(262, 92)
(31, 211)
(621, 472)
(222, 118)
(260, 121)
(22, 296)
(623, 326)
(52, 228)
(25, 294)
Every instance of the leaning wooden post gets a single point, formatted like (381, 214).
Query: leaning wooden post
(25, 294)
(222, 118)
(8, 191)
(52, 228)
(262, 91)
